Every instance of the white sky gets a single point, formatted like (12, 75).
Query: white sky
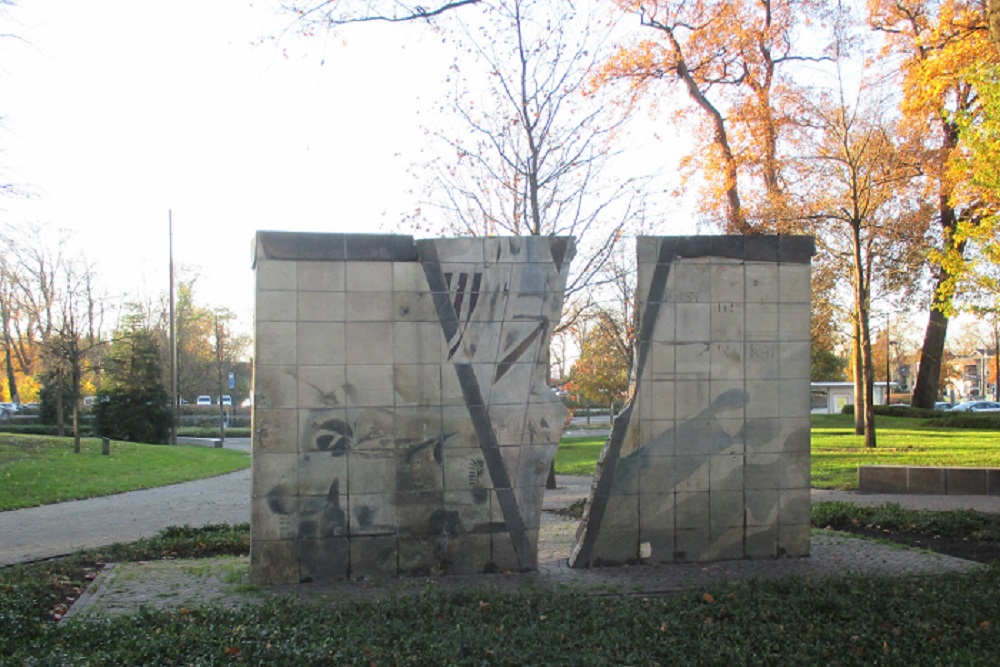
(116, 111)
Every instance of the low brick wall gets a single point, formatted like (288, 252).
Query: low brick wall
(929, 480)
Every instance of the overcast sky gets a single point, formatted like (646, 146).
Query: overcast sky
(116, 111)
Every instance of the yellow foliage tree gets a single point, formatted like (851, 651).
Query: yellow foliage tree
(732, 58)
(601, 373)
(936, 43)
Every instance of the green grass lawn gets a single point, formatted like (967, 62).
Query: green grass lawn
(837, 451)
(39, 470)
(578, 455)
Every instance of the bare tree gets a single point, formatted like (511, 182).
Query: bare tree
(534, 141)
(862, 198)
(310, 16)
(74, 338)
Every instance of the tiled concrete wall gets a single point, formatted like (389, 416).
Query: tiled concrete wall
(710, 458)
(403, 422)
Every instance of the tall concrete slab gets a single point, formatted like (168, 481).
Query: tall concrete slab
(403, 423)
(709, 460)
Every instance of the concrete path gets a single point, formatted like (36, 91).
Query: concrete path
(55, 530)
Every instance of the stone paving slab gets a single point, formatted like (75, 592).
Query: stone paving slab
(126, 587)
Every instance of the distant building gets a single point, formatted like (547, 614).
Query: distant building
(974, 376)
(829, 398)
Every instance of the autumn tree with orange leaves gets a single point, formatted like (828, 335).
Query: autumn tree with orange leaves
(936, 43)
(734, 59)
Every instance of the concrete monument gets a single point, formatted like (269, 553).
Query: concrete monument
(709, 460)
(403, 422)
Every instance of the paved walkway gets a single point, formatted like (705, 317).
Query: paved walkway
(55, 530)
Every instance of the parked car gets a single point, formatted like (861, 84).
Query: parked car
(942, 405)
(204, 400)
(977, 406)
(226, 400)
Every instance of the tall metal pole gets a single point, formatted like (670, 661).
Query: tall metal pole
(173, 338)
(887, 352)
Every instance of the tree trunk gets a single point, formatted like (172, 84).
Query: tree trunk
(76, 427)
(59, 412)
(861, 302)
(859, 393)
(925, 391)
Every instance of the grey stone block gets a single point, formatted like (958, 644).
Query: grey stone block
(762, 507)
(275, 306)
(318, 471)
(727, 543)
(967, 481)
(726, 510)
(274, 561)
(367, 343)
(319, 306)
(883, 479)
(374, 557)
(274, 518)
(761, 283)
(993, 481)
(369, 307)
(275, 431)
(762, 322)
(314, 276)
(324, 560)
(372, 514)
(793, 540)
(275, 343)
(761, 541)
(796, 249)
(379, 248)
(694, 323)
(320, 343)
(318, 387)
(795, 283)
(927, 480)
(270, 275)
(368, 277)
(692, 545)
(615, 547)
(762, 249)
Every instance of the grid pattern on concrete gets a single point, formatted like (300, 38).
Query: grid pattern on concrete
(710, 458)
(403, 421)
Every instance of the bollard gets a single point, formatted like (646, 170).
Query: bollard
(105, 446)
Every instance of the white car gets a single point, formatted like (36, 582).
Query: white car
(976, 406)
(204, 400)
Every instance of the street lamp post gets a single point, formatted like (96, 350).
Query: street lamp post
(887, 401)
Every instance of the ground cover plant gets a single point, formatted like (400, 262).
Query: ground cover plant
(38, 470)
(848, 621)
(963, 533)
(837, 451)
